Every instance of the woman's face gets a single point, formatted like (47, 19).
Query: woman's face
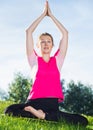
(46, 44)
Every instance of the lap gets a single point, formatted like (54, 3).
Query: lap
(46, 104)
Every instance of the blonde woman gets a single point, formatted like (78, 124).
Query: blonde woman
(46, 92)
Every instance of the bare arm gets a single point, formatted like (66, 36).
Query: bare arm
(30, 30)
(64, 34)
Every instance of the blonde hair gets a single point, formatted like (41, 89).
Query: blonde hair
(46, 34)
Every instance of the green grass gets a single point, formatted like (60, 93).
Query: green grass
(13, 123)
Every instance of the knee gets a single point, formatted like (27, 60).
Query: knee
(83, 120)
(8, 111)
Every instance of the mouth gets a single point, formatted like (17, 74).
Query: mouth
(46, 48)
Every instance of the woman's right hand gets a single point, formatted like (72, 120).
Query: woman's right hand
(49, 13)
(46, 9)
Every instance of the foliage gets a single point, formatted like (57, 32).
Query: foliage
(79, 98)
(19, 88)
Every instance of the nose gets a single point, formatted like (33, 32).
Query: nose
(45, 43)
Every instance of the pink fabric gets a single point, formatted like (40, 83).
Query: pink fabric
(47, 80)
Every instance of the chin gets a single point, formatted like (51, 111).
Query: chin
(46, 52)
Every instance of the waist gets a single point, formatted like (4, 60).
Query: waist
(55, 100)
(46, 104)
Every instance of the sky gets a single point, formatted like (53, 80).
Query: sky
(17, 16)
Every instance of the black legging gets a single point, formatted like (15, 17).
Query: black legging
(49, 106)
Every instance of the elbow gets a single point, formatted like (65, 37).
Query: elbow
(66, 32)
(29, 31)
(26, 31)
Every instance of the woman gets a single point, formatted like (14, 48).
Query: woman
(46, 91)
(47, 83)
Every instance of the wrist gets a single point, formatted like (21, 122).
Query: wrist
(43, 14)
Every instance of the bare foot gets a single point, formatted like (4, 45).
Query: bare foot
(28, 108)
(38, 113)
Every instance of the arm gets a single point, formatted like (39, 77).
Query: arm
(64, 34)
(30, 30)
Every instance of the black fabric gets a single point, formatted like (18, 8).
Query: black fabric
(50, 107)
(46, 104)
(51, 116)
(72, 118)
(18, 110)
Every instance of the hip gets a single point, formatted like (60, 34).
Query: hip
(46, 104)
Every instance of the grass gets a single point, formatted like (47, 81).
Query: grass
(13, 123)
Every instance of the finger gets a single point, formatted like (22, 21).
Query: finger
(46, 3)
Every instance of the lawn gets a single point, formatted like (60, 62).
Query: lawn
(12, 123)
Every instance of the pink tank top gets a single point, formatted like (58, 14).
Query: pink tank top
(47, 81)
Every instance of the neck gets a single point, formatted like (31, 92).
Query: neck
(46, 57)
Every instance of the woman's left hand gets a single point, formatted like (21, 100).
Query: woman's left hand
(46, 9)
(49, 13)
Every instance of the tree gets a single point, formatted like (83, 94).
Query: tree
(19, 88)
(79, 98)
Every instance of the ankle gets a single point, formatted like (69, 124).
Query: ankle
(43, 116)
